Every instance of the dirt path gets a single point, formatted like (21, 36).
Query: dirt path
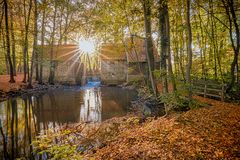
(206, 133)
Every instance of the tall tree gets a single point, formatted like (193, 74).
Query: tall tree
(8, 42)
(189, 50)
(149, 43)
(4, 48)
(40, 80)
(164, 42)
(169, 56)
(165, 50)
(13, 42)
(25, 50)
(52, 63)
(35, 38)
(235, 39)
(34, 52)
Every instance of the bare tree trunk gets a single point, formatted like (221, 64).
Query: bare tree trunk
(232, 18)
(219, 61)
(34, 52)
(20, 67)
(164, 42)
(182, 55)
(202, 45)
(13, 43)
(5, 54)
(37, 66)
(170, 70)
(66, 22)
(52, 64)
(42, 45)
(8, 43)
(25, 51)
(176, 55)
(35, 39)
(201, 54)
(148, 41)
(213, 40)
(189, 52)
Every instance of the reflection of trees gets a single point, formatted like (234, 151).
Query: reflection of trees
(55, 109)
(24, 118)
(103, 103)
(115, 101)
(37, 112)
(28, 126)
(17, 125)
(16, 129)
(5, 153)
(42, 123)
(26, 123)
(14, 110)
(118, 95)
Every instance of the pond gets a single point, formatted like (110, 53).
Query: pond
(25, 117)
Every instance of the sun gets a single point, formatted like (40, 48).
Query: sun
(87, 46)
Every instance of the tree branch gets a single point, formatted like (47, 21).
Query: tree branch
(214, 17)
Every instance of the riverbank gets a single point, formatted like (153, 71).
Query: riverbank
(210, 132)
(19, 88)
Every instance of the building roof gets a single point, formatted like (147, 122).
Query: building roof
(112, 51)
(134, 52)
(61, 52)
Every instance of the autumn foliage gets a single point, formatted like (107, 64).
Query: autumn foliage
(206, 133)
(210, 132)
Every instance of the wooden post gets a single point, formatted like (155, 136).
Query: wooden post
(222, 93)
(205, 90)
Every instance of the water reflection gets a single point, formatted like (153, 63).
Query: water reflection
(24, 118)
(18, 126)
(91, 108)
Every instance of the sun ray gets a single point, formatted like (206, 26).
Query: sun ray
(69, 53)
(73, 63)
(72, 57)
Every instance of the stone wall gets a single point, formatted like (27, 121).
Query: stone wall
(113, 72)
(65, 72)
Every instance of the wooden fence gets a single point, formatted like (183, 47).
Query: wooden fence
(209, 89)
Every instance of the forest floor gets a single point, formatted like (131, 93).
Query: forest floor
(5, 86)
(205, 133)
(210, 132)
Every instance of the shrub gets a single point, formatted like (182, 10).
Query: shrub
(173, 101)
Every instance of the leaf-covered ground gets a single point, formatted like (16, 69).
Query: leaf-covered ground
(5, 86)
(19, 88)
(206, 133)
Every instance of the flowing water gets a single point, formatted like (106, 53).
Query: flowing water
(23, 118)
